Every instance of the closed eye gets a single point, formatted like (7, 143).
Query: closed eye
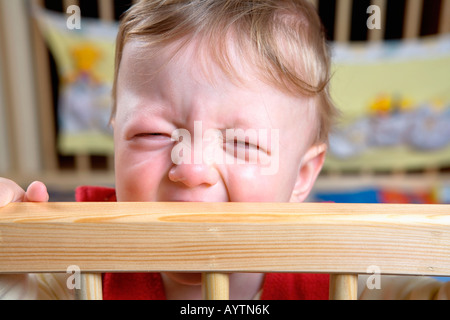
(146, 134)
(152, 139)
(244, 150)
(244, 144)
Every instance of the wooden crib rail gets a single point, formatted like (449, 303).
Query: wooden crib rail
(216, 238)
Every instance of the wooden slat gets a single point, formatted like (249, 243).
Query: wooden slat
(378, 34)
(6, 156)
(45, 100)
(343, 287)
(20, 90)
(225, 237)
(413, 19)
(110, 163)
(106, 8)
(68, 3)
(215, 286)
(343, 20)
(91, 287)
(13, 153)
(83, 164)
(444, 19)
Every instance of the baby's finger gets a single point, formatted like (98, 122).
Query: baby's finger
(10, 192)
(36, 192)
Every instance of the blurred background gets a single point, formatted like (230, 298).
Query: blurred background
(391, 79)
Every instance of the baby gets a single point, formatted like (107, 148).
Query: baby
(217, 101)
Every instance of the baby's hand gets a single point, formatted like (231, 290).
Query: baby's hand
(12, 192)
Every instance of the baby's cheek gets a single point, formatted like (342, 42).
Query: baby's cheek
(139, 175)
(247, 184)
(135, 183)
(129, 188)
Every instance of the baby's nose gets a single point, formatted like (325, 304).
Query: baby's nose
(193, 175)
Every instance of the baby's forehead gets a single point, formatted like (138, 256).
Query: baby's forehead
(202, 62)
(241, 84)
(228, 63)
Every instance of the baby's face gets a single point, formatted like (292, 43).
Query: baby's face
(180, 136)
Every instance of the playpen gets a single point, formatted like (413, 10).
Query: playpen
(28, 135)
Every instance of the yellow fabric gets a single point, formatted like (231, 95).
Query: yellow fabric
(393, 88)
(85, 64)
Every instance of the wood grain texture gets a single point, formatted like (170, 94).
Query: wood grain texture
(225, 237)
(344, 287)
(444, 20)
(413, 19)
(343, 20)
(91, 287)
(215, 286)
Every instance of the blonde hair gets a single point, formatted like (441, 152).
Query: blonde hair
(284, 38)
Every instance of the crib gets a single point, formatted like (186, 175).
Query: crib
(28, 134)
(343, 240)
(28, 125)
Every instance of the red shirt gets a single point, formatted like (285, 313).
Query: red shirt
(149, 286)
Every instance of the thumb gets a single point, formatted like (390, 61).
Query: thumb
(36, 192)
(10, 192)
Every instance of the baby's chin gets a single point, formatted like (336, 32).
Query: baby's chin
(189, 279)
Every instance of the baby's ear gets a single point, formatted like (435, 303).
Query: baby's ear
(312, 163)
(112, 122)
